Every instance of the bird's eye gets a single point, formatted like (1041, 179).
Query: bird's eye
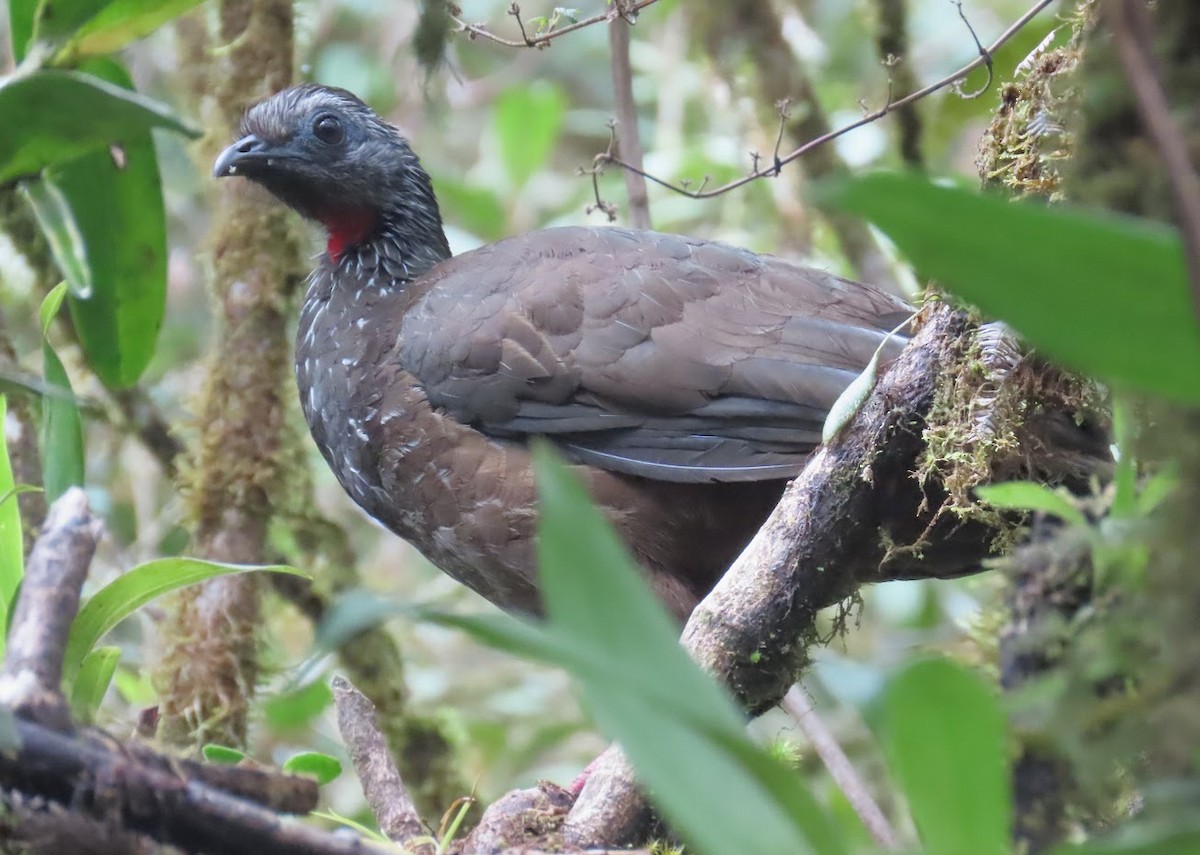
(328, 129)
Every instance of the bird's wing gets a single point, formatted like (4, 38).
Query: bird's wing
(654, 355)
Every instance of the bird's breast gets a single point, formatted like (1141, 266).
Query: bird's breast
(464, 500)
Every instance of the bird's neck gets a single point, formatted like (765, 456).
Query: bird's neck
(402, 240)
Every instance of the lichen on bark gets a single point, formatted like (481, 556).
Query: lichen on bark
(209, 666)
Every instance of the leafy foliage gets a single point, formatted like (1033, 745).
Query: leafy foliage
(1081, 285)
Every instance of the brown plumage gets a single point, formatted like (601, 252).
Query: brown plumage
(688, 379)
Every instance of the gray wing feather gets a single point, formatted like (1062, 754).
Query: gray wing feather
(649, 354)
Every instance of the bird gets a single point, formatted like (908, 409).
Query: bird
(685, 381)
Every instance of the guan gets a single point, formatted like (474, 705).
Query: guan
(686, 380)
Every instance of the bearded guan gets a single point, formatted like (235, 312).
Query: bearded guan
(687, 379)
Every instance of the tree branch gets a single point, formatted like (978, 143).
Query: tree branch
(799, 706)
(95, 777)
(31, 678)
(542, 40)
(628, 139)
(382, 785)
(854, 516)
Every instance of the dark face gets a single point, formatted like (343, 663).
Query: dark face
(324, 153)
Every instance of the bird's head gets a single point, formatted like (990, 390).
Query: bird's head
(325, 153)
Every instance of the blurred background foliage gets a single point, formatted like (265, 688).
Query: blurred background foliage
(503, 133)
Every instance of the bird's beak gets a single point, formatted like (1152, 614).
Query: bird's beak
(243, 153)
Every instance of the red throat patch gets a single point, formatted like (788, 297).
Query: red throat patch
(347, 228)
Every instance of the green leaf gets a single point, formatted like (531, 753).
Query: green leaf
(214, 753)
(57, 19)
(366, 831)
(119, 23)
(50, 306)
(55, 218)
(135, 686)
(91, 684)
(20, 26)
(1090, 289)
(65, 114)
(352, 613)
(116, 201)
(855, 395)
(126, 594)
(297, 708)
(62, 427)
(17, 490)
(12, 546)
(528, 121)
(1156, 490)
(1029, 496)
(314, 764)
(683, 734)
(945, 739)
(477, 209)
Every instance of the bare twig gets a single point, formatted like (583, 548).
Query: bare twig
(58, 565)
(985, 54)
(629, 140)
(799, 706)
(984, 59)
(1130, 24)
(382, 785)
(629, 12)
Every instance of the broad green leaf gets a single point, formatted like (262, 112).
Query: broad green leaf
(12, 546)
(55, 218)
(476, 209)
(119, 23)
(92, 681)
(682, 733)
(62, 428)
(297, 708)
(945, 739)
(118, 209)
(528, 121)
(54, 20)
(67, 113)
(1107, 295)
(1029, 496)
(352, 613)
(20, 26)
(127, 593)
(314, 764)
(214, 753)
